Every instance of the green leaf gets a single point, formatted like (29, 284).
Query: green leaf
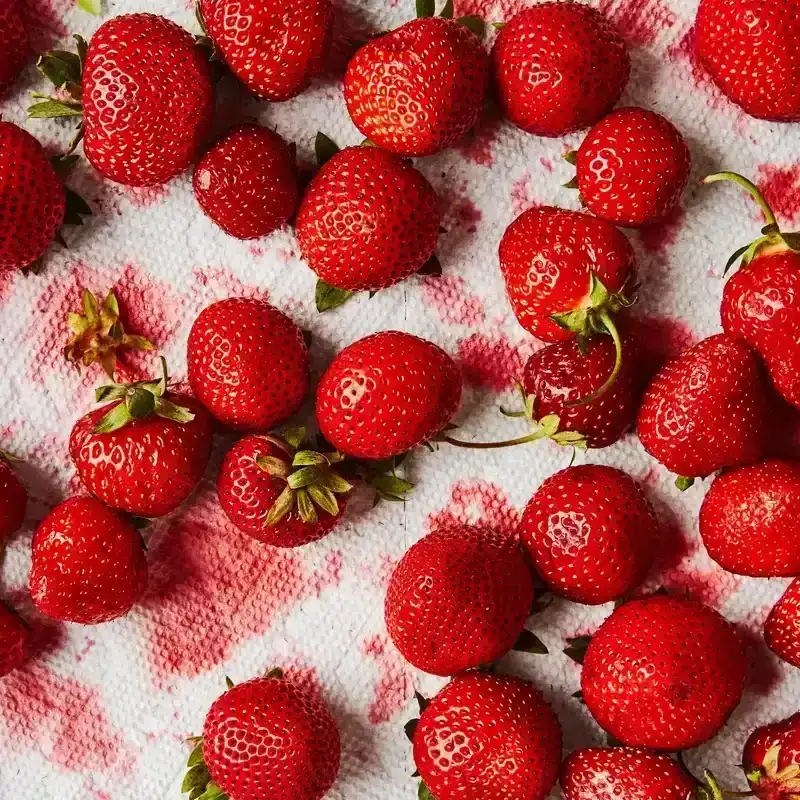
(229, 683)
(391, 485)
(683, 483)
(305, 507)
(77, 205)
(577, 648)
(424, 792)
(473, 23)
(94, 7)
(447, 11)
(542, 599)
(324, 498)
(53, 109)
(324, 148)
(426, 8)
(499, 25)
(196, 756)
(571, 157)
(734, 258)
(141, 403)
(579, 697)
(275, 672)
(63, 164)
(410, 729)
(168, 410)
(529, 642)
(572, 183)
(60, 67)
(422, 702)
(335, 482)
(294, 437)
(431, 267)
(305, 476)
(329, 297)
(274, 466)
(308, 458)
(81, 47)
(281, 507)
(117, 418)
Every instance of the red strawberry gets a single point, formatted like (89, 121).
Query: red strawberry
(420, 88)
(367, 220)
(13, 499)
(590, 533)
(632, 168)
(16, 48)
(266, 738)
(485, 737)
(13, 641)
(256, 488)
(385, 394)
(247, 182)
(782, 628)
(88, 565)
(559, 67)
(459, 599)
(706, 410)
(748, 522)
(248, 363)
(145, 452)
(624, 773)
(664, 672)
(274, 47)
(771, 760)
(750, 49)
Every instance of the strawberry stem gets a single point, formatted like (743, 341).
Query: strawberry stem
(605, 319)
(533, 437)
(751, 188)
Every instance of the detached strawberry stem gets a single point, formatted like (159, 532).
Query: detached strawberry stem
(753, 190)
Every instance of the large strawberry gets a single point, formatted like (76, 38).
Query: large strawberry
(385, 394)
(13, 640)
(13, 499)
(771, 760)
(749, 47)
(267, 738)
(274, 47)
(706, 410)
(145, 451)
(247, 182)
(782, 628)
(279, 491)
(459, 599)
(559, 67)
(16, 48)
(590, 534)
(248, 363)
(88, 565)
(664, 672)
(419, 88)
(145, 92)
(485, 737)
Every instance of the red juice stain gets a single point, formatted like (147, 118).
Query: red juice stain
(478, 145)
(659, 236)
(492, 362)
(6, 284)
(449, 296)
(522, 194)
(395, 684)
(490, 10)
(477, 502)
(458, 210)
(218, 283)
(781, 188)
(329, 576)
(142, 196)
(639, 21)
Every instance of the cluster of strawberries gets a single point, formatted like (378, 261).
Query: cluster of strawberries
(662, 674)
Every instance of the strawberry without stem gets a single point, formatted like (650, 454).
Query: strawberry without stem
(782, 628)
(771, 760)
(16, 48)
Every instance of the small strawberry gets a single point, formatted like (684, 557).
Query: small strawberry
(16, 48)
(624, 773)
(247, 182)
(485, 737)
(749, 47)
(13, 499)
(274, 489)
(248, 363)
(590, 533)
(559, 67)
(782, 628)
(274, 47)
(706, 410)
(771, 760)
(385, 394)
(632, 168)
(266, 738)
(13, 640)
(459, 599)
(420, 88)
(663, 672)
(88, 565)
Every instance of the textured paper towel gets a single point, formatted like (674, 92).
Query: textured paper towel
(103, 712)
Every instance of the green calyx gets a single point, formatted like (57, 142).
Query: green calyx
(427, 8)
(197, 781)
(683, 483)
(139, 400)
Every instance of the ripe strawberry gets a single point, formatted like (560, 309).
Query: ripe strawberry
(270, 488)
(559, 67)
(749, 48)
(420, 88)
(771, 760)
(88, 564)
(385, 394)
(274, 47)
(266, 738)
(145, 451)
(368, 220)
(13, 499)
(664, 672)
(247, 182)
(248, 363)
(16, 48)
(706, 410)
(459, 599)
(590, 533)
(782, 628)
(624, 773)
(13, 640)
(632, 168)
(488, 736)
(747, 519)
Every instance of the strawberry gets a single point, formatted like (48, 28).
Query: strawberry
(590, 533)
(247, 182)
(559, 67)
(145, 92)
(13, 499)
(248, 363)
(782, 628)
(420, 88)
(749, 48)
(664, 672)
(274, 47)
(624, 773)
(485, 737)
(459, 599)
(632, 168)
(385, 394)
(771, 760)
(88, 565)
(271, 487)
(13, 641)
(747, 519)
(266, 738)
(145, 451)
(367, 221)
(706, 410)
(16, 48)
